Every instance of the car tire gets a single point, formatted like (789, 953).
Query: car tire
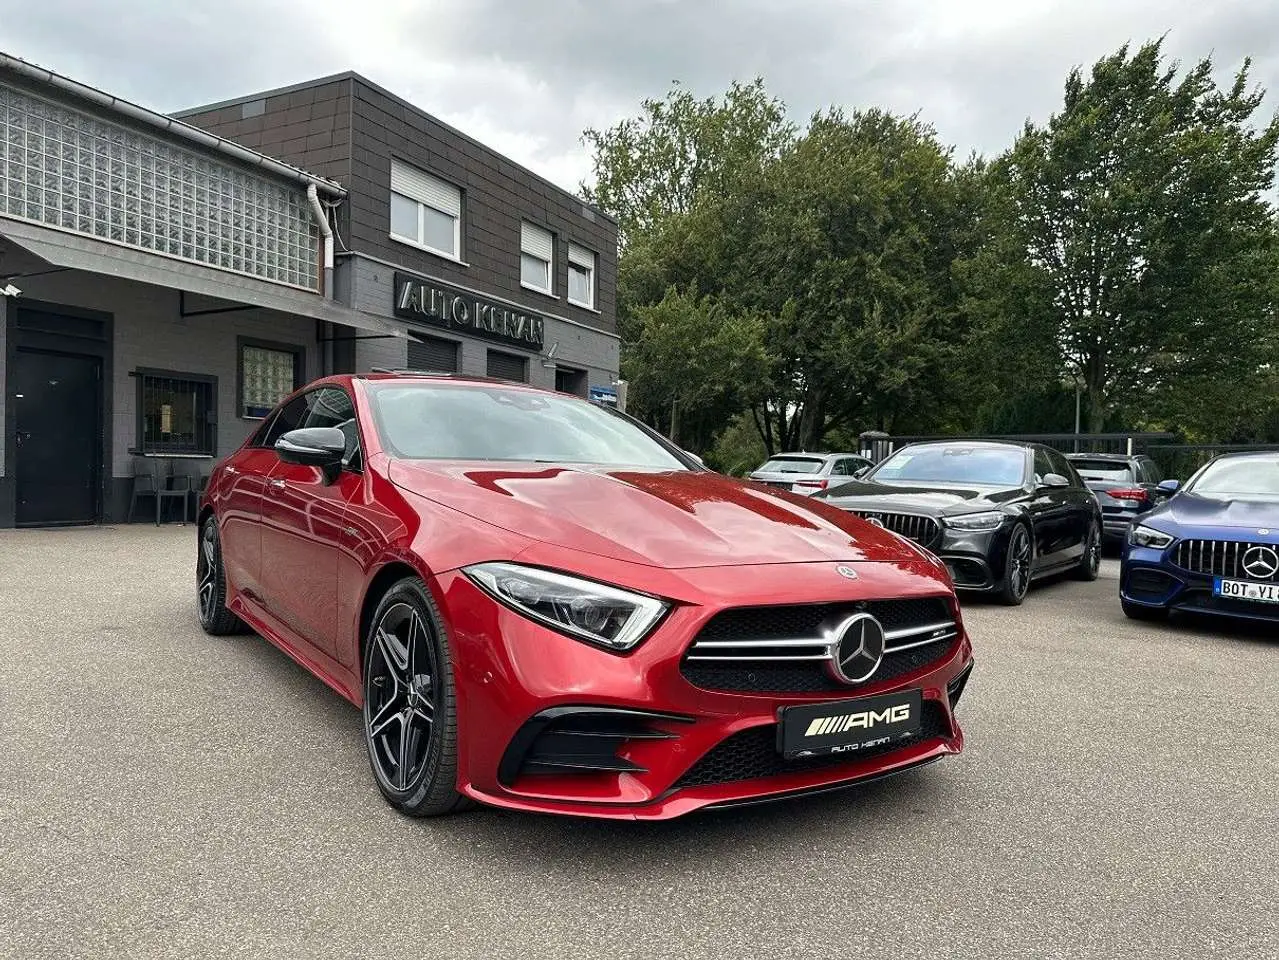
(210, 584)
(1089, 567)
(1137, 611)
(409, 694)
(1018, 559)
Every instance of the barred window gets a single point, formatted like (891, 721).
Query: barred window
(269, 372)
(176, 413)
(68, 169)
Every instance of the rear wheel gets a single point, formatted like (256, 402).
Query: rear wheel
(1017, 562)
(1136, 611)
(410, 706)
(210, 584)
(1090, 563)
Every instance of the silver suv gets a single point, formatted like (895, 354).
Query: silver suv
(809, 473)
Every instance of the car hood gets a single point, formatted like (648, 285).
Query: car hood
(931, 499)
(671, 519)
(1192, 509)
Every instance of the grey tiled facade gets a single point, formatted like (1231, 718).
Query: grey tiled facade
(348, 129)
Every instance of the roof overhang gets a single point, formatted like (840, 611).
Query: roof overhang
(73, 251)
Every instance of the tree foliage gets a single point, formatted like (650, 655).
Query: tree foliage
(809, 283)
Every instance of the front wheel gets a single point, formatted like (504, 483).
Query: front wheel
(410, 706)
(210, 585)
(1090, 563)
(1017, 562)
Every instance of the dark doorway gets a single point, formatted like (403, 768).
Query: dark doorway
(568, 380)
(58, 453)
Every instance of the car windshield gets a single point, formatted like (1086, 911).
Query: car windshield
(1102, 470)
(1242, 477)
(427, 421)
(985, 466)
(791, 465)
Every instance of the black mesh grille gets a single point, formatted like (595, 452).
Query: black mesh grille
(1151, 582)
(753, 753)
(807, 620)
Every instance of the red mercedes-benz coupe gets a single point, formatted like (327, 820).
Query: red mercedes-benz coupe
(541, 604)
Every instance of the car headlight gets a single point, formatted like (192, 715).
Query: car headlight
(608, 616)
(1140, 535)
(990, 520)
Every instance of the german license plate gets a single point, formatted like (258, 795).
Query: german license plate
(849, 726)
(1243, 590)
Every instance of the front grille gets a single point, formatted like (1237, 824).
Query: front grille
(925, 531)
(782, 649)
(1220, 558)
(752, 754)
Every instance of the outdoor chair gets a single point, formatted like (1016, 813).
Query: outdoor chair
(148, 481)
(197, 479)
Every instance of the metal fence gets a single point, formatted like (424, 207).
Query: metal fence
(1175, 459)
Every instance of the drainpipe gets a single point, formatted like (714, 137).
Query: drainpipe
(322, 221)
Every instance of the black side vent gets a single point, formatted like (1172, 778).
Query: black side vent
(955, 689)
(580, 739)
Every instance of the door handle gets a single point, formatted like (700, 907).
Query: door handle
(22, 436)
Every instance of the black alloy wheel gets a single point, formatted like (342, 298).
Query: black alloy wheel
(210, 582)
(410, 724)
(1017, 564)
(1090, 562)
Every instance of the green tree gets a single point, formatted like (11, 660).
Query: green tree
(1140, 210)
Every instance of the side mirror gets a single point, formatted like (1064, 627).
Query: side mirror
(1169, 487)
(1054, 480)
(699, 460)
(322, 447)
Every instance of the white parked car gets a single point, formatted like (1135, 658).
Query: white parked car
(808, 473)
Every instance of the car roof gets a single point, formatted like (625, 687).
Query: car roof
(807, 455)
(1114, 457)
(966, 442)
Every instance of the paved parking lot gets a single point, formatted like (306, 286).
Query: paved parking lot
(167, 794)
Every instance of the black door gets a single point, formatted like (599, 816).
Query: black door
(58, 413)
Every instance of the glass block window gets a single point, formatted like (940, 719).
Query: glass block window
(268, 374)
(68, 169)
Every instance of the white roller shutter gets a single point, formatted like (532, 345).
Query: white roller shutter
(426, 189)
(581, 256)
(537, 242)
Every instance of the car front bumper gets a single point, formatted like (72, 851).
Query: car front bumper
(1149, 578)
(696, 748)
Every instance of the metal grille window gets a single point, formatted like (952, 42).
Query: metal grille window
(70, 170)
(507, 366)
(176, 413)
(268, 374)
(433, 353)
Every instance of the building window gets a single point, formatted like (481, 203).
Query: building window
(67, 169)
(507, 366)
(537, 254)
(426, 211)
(432, 353)
(269, 372)
(581, 276)
(176, 413)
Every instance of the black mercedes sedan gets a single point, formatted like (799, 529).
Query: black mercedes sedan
(999, 514)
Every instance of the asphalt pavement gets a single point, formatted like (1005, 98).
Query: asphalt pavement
(168, 794)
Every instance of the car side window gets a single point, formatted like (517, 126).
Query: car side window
(332, 407)
(1151, 470)
(1060, 465)
(1043, 466)
(290, 417)
(843, 468)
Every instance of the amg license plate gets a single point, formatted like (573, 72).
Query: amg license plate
(848, 726)
(1243, 590)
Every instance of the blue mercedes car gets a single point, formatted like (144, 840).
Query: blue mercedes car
(1212, 547)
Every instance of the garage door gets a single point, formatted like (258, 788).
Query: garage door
(433, 353)
(507, 366)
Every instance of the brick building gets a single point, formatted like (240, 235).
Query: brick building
(170, 278)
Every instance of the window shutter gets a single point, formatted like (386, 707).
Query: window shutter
(425, 188)
(537, 241)
(581, 256)
(507, 366)
(433, 353)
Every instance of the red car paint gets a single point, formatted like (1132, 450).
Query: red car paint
(301, 556)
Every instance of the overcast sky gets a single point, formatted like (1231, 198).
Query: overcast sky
(527, 76)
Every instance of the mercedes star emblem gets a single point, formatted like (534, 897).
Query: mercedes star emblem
(1261, 563)
(871, 518)
(848, 573)
(856, 648)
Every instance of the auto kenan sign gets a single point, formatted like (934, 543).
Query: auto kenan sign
(441, 305)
